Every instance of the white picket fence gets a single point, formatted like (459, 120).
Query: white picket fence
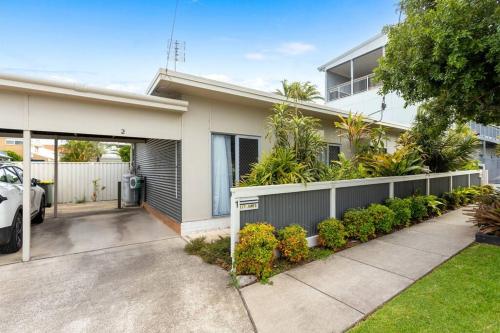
(75, 178)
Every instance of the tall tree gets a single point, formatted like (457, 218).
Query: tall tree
(447, 51)
(299, 91)
(81, 151)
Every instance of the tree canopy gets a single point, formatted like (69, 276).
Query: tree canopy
(124, 153)
(447, 51)
(299, 91)
(81, 151)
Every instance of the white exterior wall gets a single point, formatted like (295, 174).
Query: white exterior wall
(370, 101)
(206, 116)
(35, 112)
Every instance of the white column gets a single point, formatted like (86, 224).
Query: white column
(333, 203)
(235, 225)
(352, 77)
(391, 190)
(56, 174)
(26, 194)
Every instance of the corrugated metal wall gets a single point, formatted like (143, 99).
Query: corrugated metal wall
(475, 180)
(304, 208)
(359, 197)
(439, 185)
(160, 162)
(409, 188)
(75, 178)
(460, 181)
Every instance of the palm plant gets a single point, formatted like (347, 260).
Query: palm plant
(405, 160)
(279, 167)
(299, 91)
(354, 128)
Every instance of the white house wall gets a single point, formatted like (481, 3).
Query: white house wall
(73, 115)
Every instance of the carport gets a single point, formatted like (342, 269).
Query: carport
(35, 108)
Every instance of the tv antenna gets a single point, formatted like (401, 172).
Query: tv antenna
(178, 52)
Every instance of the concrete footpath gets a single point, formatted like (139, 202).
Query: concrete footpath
(332, 295)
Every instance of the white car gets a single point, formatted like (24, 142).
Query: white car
(11, 207)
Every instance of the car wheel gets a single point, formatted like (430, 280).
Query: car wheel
(16, 235)
(40, 216)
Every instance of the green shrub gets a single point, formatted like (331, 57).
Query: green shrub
(383, 217)
(434, 205)
(255, 250)
(453, 199)
(418, 207)
(359, 224)
(216, 252)
(401, 209)
(293, 243)
(331, 234)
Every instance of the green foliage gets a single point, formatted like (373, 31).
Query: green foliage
(406, 160)
(418, 207)
(447, 51)
(319, 253)
(15, 157)
(345, 168)
(359, 224)
(279, 167)
(434, 205)
(331, 234)
(383, 217)
(255, 250)
(293, 243)
(124, 153)
(216, 252)
(401, 209)
(355, 129)
(445, 146)
(299, 91)
(81, 151)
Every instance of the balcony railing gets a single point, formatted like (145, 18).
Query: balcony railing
(359, 85)
(486, 133)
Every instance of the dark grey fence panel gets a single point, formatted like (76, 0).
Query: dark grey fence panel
(460, 181)
(409, 188)
(475, 179)
(439, 185)
(304, 208)
(359, 197)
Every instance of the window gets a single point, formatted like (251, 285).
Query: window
(232, 158)
(331, 153)
(13, 141)
(11, 176)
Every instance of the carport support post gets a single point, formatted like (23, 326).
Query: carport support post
(56, 173)
(26, 194)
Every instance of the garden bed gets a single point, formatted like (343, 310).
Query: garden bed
(406, 211)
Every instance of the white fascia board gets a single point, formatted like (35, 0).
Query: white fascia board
(56, 88)
(367, 46)
(253, 94)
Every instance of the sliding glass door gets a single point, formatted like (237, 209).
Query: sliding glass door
(232, 157)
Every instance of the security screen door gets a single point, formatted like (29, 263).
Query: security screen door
(232, 158)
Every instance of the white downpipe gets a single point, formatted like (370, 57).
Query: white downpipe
(26, 195)
(235, 224)
(333, 202)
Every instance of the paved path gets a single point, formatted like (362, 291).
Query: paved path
(332, 295)
(148, 287)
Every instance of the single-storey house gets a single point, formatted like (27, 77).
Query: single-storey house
(193, 137)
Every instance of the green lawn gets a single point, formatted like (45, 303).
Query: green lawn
(463, 295)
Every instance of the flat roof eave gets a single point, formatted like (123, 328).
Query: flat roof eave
(24, 84)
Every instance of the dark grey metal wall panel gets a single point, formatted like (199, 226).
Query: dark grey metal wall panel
(475, 180)
(304, 208)
(439, 185)
(160, 162)
(359, 197)
(409, 188)
(460, 181)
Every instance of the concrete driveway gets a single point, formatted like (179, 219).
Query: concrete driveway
(148, 287)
